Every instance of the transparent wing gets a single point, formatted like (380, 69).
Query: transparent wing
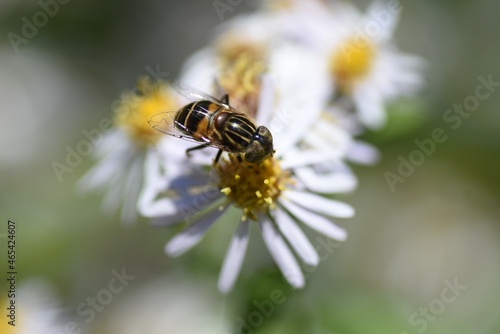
(193, 94)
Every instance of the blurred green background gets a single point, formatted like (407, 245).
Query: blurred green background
(442, 224)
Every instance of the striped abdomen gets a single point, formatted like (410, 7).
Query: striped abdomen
(195, 119)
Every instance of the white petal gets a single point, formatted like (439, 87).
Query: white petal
(131, 190)
(363, 153)
(323, 143)
(316, 222)
(114, 141)
(297, 239)
(330, 134)
(370, 106)
(294, 158)
(320, 204)
(114, 186)
(183, 207)
(148, 204)
(182, 211)
(282, 254)
(108, 168)
(336, 182)
(386, 21)
(266, 100)
(179, 178)
(112, 195)
(303, 92)
(200, 70)
(257, 28)
(192, 235)
(286, 129)
(234, 258)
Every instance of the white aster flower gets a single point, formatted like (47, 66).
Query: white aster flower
(275, 194)
(123, 152)
(357, 49)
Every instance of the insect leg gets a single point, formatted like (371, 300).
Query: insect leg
(199, 147)
(217, 157)
(225, 99)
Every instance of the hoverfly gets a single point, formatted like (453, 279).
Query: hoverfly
(215, 123)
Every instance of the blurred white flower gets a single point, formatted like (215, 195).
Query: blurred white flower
(121, 155)
(357, 50)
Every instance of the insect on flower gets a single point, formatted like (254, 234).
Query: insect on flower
(215, 123)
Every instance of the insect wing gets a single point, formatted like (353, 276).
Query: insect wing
(194, 95)
(165, 122)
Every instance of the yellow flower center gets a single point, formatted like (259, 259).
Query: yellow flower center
(136, 108)
(241, 66)
(351, 63)
(252, 188)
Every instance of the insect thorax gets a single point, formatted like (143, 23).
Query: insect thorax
(238, 132)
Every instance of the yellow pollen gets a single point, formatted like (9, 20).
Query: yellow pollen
(241, 66)
(351, 63)
(256, 189)
(136, 108)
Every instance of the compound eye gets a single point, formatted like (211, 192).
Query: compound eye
(260, 147)
(255, 152)
(265, 134)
